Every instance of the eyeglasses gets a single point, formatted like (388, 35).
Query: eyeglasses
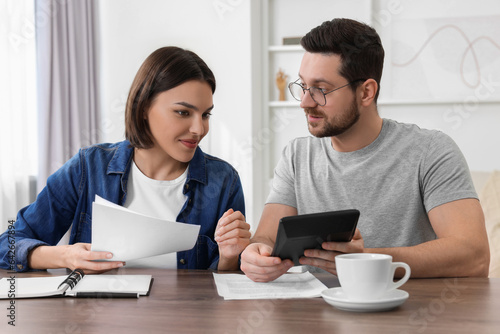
(317, 94)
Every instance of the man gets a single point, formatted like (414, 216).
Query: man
(412, 186)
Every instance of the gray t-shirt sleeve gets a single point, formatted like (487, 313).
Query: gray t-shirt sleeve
(445, 176)
(283, 185)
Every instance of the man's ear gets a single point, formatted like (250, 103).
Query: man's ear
(367, 92)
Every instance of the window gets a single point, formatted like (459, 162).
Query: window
(18, 116)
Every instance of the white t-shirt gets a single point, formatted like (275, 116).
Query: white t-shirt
(159, 199)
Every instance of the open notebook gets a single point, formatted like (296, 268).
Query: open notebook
(76, 285)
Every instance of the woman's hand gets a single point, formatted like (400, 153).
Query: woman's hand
(232, 234)
(74, 256)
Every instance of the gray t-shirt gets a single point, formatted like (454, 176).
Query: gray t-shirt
(393, 182)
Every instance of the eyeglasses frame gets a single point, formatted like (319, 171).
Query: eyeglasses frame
(324, 93)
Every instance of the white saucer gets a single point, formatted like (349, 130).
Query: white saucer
(390, 300)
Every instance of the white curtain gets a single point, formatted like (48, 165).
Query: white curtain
(18, 116)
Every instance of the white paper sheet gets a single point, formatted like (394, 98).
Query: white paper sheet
(130, 235)
(236, 286)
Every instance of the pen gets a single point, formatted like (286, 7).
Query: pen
(73, 278)
(106, 295)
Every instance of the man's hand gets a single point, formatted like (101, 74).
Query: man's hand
(259, 266)
(232, 234)
(325, 258)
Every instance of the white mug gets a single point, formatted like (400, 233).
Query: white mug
(365, 276)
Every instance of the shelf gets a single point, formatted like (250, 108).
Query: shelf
(285, 48)
(284, 104)
(296, 104)
(389, 102)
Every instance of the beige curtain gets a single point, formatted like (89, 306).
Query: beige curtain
(67, 81)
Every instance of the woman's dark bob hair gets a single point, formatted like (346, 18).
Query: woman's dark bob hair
(164, 69)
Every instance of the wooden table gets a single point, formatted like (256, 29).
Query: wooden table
(183, 301)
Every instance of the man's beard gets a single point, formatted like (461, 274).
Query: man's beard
(337, 124)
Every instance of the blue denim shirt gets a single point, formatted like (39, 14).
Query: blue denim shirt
(212, 187)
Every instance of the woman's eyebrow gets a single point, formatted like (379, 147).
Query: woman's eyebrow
(190, 106)
(187, 105)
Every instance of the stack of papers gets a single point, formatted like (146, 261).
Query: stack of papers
(236, 286)
(117, 230)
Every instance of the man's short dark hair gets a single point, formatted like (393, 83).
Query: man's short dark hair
(164, 69)
(357, 44)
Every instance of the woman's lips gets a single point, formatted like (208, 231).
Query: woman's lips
(189, 143)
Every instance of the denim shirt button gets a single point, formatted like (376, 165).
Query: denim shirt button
(187, 186)
(182, 261)
(20, 266)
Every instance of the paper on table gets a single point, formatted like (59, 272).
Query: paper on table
(236, 286)
(130, 235)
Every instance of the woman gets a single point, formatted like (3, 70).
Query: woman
(159, 171)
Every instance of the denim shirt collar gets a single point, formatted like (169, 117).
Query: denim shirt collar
(198, 168)
(121, 162)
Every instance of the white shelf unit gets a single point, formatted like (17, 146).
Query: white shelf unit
(284, 104)
(278, 116)
(285, 48)
(281, 121)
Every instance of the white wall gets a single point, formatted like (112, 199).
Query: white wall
(226, 34)
(454, 82)
(218, 31)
